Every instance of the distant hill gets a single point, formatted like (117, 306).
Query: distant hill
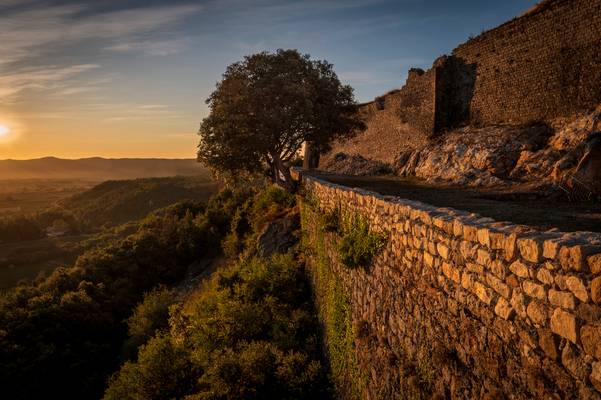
(98, 169)
(116, 202)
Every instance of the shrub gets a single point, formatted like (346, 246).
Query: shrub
(358, 245)
(150, 316)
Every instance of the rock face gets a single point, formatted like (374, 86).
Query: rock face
(278, 236)
(356, 165)
(568, 156)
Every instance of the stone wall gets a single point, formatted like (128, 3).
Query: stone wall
(544, 65)
(459, 306)
(540, 67)
(386, 135)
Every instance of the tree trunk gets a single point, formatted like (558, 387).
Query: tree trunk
(279, 167)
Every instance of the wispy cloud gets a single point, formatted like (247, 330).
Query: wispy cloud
(30, 32)
(151, 47)
(47, 77)
(30, 36)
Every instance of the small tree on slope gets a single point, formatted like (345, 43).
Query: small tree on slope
(266, 106)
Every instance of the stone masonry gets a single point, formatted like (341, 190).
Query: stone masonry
(492, 310)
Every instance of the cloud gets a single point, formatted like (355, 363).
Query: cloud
(33, 35)
(45, 78)
(153, 48)
(31, 32)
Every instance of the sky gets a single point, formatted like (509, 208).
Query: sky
(129, 78)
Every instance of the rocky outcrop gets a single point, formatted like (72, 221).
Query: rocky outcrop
(567, 156)
(356, 165)
(279, 235)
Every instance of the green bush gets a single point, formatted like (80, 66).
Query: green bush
(358, 245)
(249, 333)
(149, 316)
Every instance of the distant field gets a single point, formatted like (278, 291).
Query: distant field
(94, 212)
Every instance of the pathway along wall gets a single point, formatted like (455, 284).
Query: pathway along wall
(456, 305)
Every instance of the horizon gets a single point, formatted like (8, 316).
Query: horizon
(109, 87)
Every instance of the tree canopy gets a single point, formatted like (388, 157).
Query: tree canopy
(267, 105)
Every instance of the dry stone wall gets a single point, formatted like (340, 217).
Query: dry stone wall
(478, 308)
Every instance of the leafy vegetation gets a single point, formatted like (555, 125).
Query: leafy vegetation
(62, 335)
(359, 245)
(250, 333)
(266, 106)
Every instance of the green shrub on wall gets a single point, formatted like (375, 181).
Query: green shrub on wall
(359, 245)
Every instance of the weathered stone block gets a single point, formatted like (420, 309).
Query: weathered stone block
(503, 309)
(467, 280)
(574, 257)
(534, 290)
(573, 361)
(519, 268)
(482, 292)
(443, 251)
(518, 302)
(428, 259)
(590, 335)
(589, 313)
(545, 276)
(475, 268)
(498, 286)
(531, 249)
(470, 232)
(451, 272)
(483, 257)
(577, 287)
(483, 235)
(537, 312)
(562, 299)
(594, 263)
(565, 325)
(509, 246)
(551, 248)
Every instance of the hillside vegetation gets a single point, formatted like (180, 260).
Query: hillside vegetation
(248, 332)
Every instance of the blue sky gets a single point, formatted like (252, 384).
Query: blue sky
(129, 78)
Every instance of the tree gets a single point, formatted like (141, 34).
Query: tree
(266, 106)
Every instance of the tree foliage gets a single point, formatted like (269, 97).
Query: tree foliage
(267, 105)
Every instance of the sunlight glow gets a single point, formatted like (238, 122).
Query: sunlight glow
(4, 130)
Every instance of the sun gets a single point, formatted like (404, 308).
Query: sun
(4, 130)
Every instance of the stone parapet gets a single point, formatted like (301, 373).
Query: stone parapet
(501, 310)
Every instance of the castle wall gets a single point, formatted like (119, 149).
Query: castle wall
(544, 65)
(386, 135)
(539, 67)
(457, 305)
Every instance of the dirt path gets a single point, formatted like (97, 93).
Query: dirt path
(526, 208)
